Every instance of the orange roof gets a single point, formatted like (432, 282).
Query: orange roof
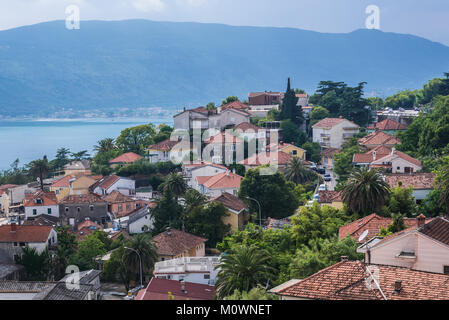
(47, 199)
(230, 201)
(235, 105)
(5, 187)
(129, 157)
(328, 123)
(64, 182)
(368, 157)
(117, 197)
(174, 242)
(346, 280)
(396, 154)
(245, 126)
(223, 137)
(267, 158)
(329, 196)
(225, 180)
(15, 233)
(165, 145)
(379, 138)
(329, 152)
(388, 124)
(192, 166)
(416, 180)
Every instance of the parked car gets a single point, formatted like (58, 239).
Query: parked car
(321, 170)
(327, 177)
(322, 187)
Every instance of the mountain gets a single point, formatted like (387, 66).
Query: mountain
(134, 63)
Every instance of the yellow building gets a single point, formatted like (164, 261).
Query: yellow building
(82, 184)
(238, 212)
(77, 167)
(331, 198)
(173, 244)
(61, 187)
(289, 149)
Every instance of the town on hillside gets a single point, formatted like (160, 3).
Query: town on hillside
(281, 196)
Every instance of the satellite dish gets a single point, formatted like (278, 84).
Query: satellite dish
(363, 235)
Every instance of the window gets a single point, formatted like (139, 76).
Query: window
(22, 244)
(34, 212)
(91, 207)
(128, 207)
(49, 210)
(446, 269)
(78, 209)
(120, 208)
(66, 209)
(207, 276)
(294, 152)
(15, 244)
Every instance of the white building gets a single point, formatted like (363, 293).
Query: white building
(201, 169)
(333, 132)
(108, 184)
(138, 222)
(40, 203)
(191, 269)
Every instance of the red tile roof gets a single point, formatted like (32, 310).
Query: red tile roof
(329, 196)
(437, 229)
(64, 182)
(396, 154)
(388, 125)
(82, 198)
(193, 166)
(230, 201)
(165, 145)
(247, 126)
(5, 187)
(372, 223)
(223, 138)
(175, 242)
(329, 152)
(47, 199)
(419, 181)
(347, 280)
(268, 158)
(106, 182)
(379, 138)
(368, 157)
(235, 105)
(328, 123)
(158, 289)
(129, 157)
(24, 233)
(224, 180)
(255, 94)
(117, 197)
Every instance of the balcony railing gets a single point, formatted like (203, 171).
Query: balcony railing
(188, 264)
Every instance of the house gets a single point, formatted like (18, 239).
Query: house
(424, 247)
(163, 289)
(77, 167)
(422, 183)
(228, 118)
(61, 187)
(331, 198)
(75, 209)
(201, 169)
(333, 132)
(213, 186)
(264, 98)
(32, 290)
(365, 159)
(378, 138)
(89, 277)
(355, 280)
(328, 157)
(197, 270)
(4, 200)
(247, 131)
(397, 162)
(237, 105)
(82, 184)
(172, 244)
(13, 238)
(369, 227)
(223, 147)
(405, 117)
(288, 148)
(86, 228)
(237, 209)
(39, 203)
(124, 159)
(43, 220)
(185, 120)
(303, 99)
(139, 221)
(120, 205)
(11, 272)
(388, 126)
(12, 197)
(261, 111)
(169, 150)
(277, 158)
(112, 183)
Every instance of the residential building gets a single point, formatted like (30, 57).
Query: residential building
(397, 162)
(229, 118)
(89, 277)
(355, 280)
(169, 150)
(261, 111)
(86, 228)
(172, 244)
(365, 159)
(424, 247)
(112, 183)
(201, 169)
(124, 159)
(186, 119)
(288, 148)
(237, 105)
(213, 186)
(264, 98)
(141, 220)
(12, 197)
(333, 132)
(77, 167)
(279, 158)
(32, 290)
(11, 272)
(223, 147)
(405, 117)
(82, 184)
(163, 289)
(196, 270)
(331, 198)
(43, 220)
(75, 209)
(61, 187)
(422, 183)
(120, 205)
(4, 198)
(388, 126)
(41, 203)
(14, 237)
(369, 227)
(328, 157)
(378, 138)
(247, 131)
(237, 209)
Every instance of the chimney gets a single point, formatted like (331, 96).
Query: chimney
(421, 220)
(374, 155)
(393, 150)
(233, 171)
(168, 230)
(227, 173)
(344, 258)
(340, 117)
(13, 227)
(398, 286)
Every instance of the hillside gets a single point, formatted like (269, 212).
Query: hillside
(133, 63)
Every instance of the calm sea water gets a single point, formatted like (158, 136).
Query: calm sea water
(30, 140)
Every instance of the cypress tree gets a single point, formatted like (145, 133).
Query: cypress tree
(289, 109)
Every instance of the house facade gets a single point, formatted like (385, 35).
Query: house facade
(77, 167)
(112, 183)
(238, 211)
(75, 209)
(201, 169)
(214, 186)
(333, 132)
(41, 203)
(173, 244)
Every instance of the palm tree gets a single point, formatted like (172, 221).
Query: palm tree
(442, 183)
(105, 145)
(297, 172)
(144, 245)
(176, 184)
(243, 269)
(365, 191)
(39, 169)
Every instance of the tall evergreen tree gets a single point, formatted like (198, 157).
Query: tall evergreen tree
(289, 109)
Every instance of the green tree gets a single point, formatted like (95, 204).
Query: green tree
(365, 191)
(115, 268)
(145, 246)
(298, 173)
(88, 249)
(105, 145)
(37, 265)
(404, 99)
(67, 246)
(78, 156)
(136, 139)
(62, 158)
(396, 226)
(229, 100)
(442, 185)
(274, 194)
(39, 169)
(242, 269)
(289, 109)
(163, 133)
(313, 151)
(291, 133)
(401, 202)
(375, 103)
(167, 213)
(176, 184)
(318, 113)
(257, 293)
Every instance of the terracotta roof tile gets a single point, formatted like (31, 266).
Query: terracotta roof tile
(82, 198)
(64, 182)
(329, 152)
(419, 181)
(329, 196)
(379, 138)
(438, 229)
(175, 242)
(388, 125)
(230, 201)
(165, 145)
(247, 126)
(235, 105)
(223, 138)
(394, 155)
(47, 199)
(267, 158)
(368, 157)
(24, 233)
(328, 123)
(129, 157)
(117, 197)
(158, 289)
(224, 180)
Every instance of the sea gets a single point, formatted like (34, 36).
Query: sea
(28, 140)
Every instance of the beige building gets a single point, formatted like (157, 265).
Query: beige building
(174, 244)
(333, 132)
(238, 212)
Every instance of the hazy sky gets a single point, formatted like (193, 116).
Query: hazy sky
(429, 19)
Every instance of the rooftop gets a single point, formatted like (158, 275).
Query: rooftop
(40, 198)
(158, 289)
(224, 180)
(78, 165)
(388, 125)
(23, 233)
(379, 138)
(419, 181)
(258, 159)
(82, 198)
(174, 242)
(328, 123)
(230, 201)
(129, 157)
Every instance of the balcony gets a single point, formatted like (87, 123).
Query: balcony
(188, 264)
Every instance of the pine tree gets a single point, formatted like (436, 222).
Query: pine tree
(289, 109)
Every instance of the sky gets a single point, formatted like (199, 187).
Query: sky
(428, 19)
